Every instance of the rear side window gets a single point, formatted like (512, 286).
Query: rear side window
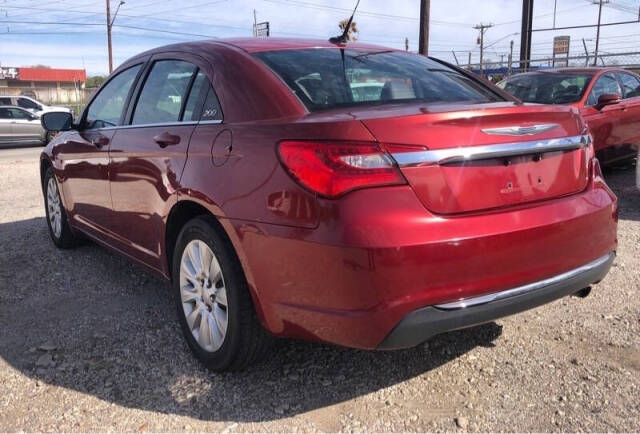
(5, 114)
(328, 78)
(608, 83)
(5, 101)
(202, 103)
(106, 108)
(211, 109)
(630, 85)
(164, 92)
(27, 103)
(196, 94)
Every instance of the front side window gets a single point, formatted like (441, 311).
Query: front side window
(107, 107)
(16, 113)
(329, 78)
(607, 84)
(28, 104)
(164, 92)
(547, 88)
(630, 85)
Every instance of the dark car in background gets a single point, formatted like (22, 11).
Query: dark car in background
(608, 100)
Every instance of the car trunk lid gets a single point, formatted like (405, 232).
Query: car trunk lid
(472, 158)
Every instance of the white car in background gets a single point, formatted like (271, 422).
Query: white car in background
(31, 104)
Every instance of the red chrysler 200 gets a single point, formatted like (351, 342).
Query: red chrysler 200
(343, 193)
(608, 99)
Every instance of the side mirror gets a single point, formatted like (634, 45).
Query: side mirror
(57, 121)
(607, 99)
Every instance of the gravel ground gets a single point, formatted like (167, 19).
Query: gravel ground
(89, 342)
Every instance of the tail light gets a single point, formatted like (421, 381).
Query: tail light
(332, 169)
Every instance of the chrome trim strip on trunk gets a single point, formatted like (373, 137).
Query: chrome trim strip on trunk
(461, 304)
(485, 152)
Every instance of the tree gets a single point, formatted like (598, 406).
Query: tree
(353, 30)
(95, 81)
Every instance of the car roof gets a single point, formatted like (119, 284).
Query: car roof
(586, 70)
(255, 45)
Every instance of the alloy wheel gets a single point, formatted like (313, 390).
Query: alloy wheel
(203, 295)
(54, 208)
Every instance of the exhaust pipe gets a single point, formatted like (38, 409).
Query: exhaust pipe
(583, 293)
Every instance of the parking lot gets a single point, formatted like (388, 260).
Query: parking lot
(89, 341)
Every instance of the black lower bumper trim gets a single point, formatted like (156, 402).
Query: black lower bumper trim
(422, 324)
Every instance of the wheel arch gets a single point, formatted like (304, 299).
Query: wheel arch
(45, 164)
(185, 210)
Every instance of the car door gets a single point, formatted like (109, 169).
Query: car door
(605, 124)
(148, 155)
(84, 155)
(25, 126)
(631, 114)
(6, 129)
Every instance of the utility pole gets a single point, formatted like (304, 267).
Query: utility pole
(109, 36)
(109, 26)
(255, 24)
(586, 52)
(469, 67)
(423, 44)
(555, 6)
(525, 34)
(595, 54)
(510, 58)
(482, 28)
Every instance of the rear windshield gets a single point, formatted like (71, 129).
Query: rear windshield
(547, 88)
(325, 78)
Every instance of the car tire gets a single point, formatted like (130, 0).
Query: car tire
(56, 215)
(215, 308)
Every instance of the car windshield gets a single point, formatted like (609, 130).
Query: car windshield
(544, 88)
(330, 78)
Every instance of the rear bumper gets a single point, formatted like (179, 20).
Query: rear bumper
(378, 255)
(421, 324)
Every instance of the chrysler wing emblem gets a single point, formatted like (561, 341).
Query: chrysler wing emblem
(520, 131)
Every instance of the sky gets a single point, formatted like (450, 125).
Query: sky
(72, 33)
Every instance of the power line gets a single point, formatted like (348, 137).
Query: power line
(311, 5)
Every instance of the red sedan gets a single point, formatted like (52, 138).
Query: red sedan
(608, 99)
(350, 194)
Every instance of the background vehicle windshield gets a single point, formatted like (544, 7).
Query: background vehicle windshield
(547, 88)
(329, 78)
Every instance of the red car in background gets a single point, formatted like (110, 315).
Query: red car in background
(608, 99)
(344, 193)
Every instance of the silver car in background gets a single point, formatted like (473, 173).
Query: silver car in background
(21, 127)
